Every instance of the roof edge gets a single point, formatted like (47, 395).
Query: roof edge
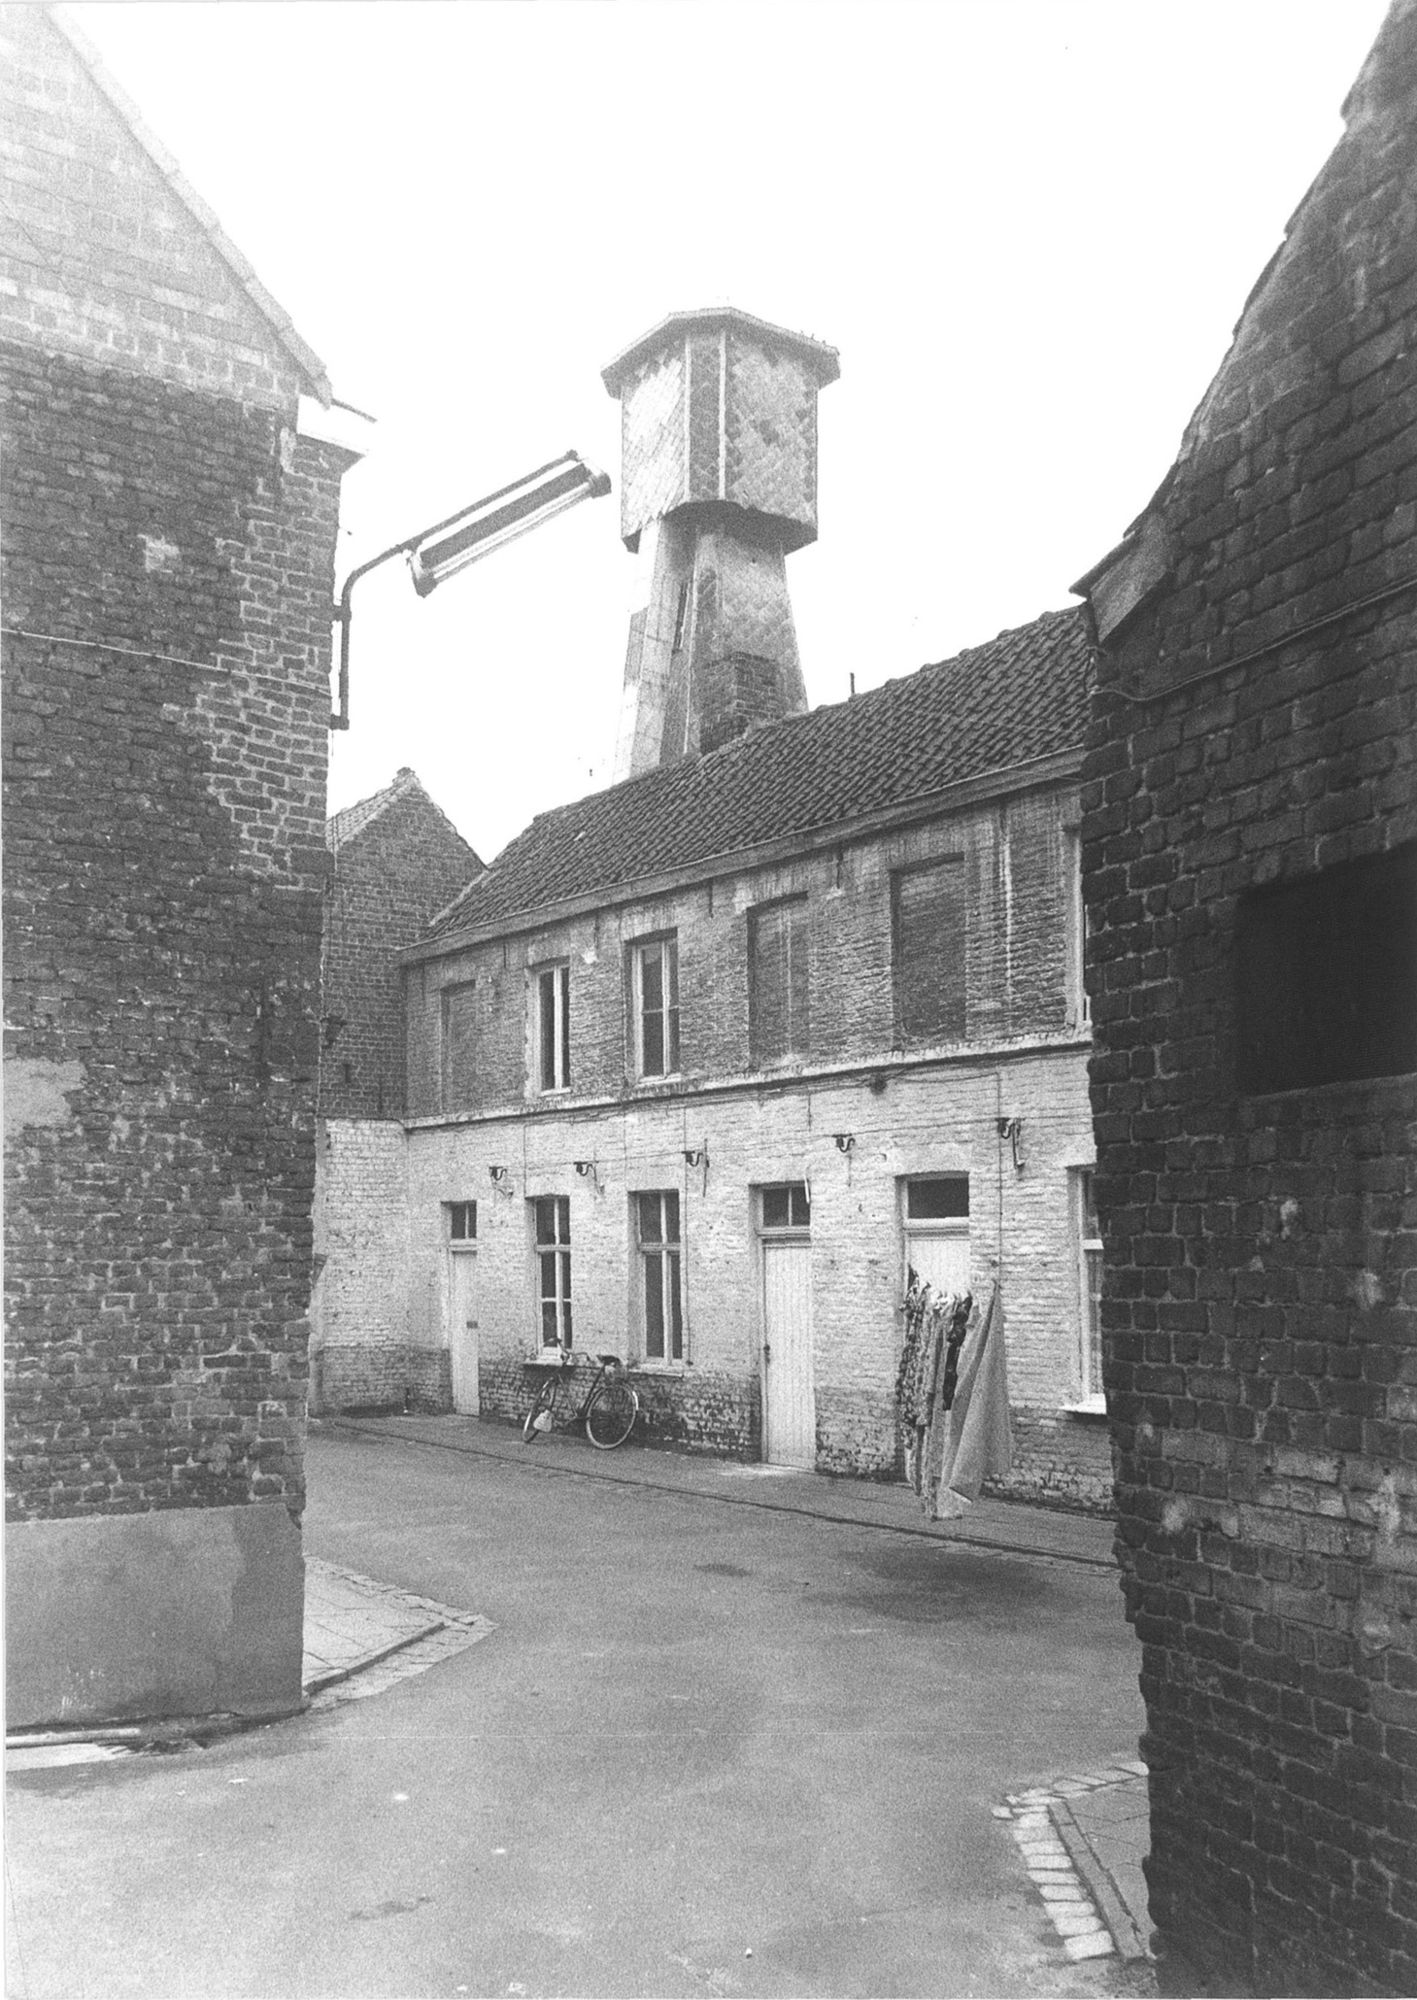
(1055, 768)
(274, 314)
(825, 360)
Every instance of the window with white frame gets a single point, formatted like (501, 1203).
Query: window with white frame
(935, 1221)
(553, 1028)
(661, 1300)
(462, 1221)
(1074, 930)
(1087, 1237)
(787, 1206)
(551, 1226)
(654, 1000)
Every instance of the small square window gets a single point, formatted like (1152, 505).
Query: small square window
(787, 1207)
(462, 1221)
(943, 1198)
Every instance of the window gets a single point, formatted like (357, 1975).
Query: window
(1087, 1235)
(661, 1298)
(456, 1047)
(1074, 930)
(1326, 976)
(551, 1223)
(928, 912)
(943, 1199)
(779, 997)
(462, 1221)
(936, 1226)
(786, 1207)
(553, 1027)
(655, 985)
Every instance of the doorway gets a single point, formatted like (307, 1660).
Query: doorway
(789, 1399)
(462, 1336)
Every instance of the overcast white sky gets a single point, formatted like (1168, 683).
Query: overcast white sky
(1028, 228)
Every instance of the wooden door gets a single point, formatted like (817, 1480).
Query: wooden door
(789, 1402)
(462, 1328)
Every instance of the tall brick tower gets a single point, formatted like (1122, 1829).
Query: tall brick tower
(718, 486)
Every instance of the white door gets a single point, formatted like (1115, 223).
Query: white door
(789, 1405)
(462, 1328)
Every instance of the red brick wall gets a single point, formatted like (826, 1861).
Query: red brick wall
(1262, 1373)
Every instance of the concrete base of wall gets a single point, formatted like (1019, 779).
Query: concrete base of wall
(131, 1617)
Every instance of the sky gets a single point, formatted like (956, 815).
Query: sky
(1028, 226)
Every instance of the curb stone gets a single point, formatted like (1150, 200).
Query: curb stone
(1082, 1904)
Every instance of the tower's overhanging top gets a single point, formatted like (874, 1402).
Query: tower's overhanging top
(823, 361)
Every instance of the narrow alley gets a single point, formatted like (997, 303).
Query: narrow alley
(705, 1747)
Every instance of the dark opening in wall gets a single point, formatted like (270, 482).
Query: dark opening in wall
(1326, 971)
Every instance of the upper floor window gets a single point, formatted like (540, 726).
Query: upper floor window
(1074, 929)
(551, 1225)
(661, 1299)
(462, 1221)
(553, 1027)
(654, 978)
(928, 910)
(779, 986)
(456, 1045)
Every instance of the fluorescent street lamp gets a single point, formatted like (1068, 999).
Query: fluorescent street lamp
(436, 553)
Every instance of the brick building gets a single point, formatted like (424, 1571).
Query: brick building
(171, 485)
(1250, 835)
(395, 861)
(701, 1065)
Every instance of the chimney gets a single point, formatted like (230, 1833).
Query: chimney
(718, 421)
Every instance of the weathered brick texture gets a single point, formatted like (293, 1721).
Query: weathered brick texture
(912, 1109)
(1261, 1367)
(395, 862)
(170, 540)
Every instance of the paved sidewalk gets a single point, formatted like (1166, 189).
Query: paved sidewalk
(1004, 1526)
(1083, 1839)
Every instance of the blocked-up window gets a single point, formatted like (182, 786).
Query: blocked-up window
(654, 1001)
(779, 984)
(553, 1027)
(929, 951)
(661, 1295)
(551, 1225)
(1326, 976)
(457, 1045)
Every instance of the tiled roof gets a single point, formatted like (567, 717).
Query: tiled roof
(1020, 697)
(343, 827)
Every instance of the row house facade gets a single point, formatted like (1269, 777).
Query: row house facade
(704, 1065)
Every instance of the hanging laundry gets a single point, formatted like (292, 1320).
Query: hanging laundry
(977, 1441)
(935, 1324)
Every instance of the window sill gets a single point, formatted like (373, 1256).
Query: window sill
(653, 1367)
(1086, 1406)
(550, 1358)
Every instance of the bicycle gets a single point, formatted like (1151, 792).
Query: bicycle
(608, 1412)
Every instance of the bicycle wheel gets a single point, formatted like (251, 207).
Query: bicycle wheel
(538, 1418)
(610, 1413)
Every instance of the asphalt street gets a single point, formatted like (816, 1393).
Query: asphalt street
(707, 1749)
